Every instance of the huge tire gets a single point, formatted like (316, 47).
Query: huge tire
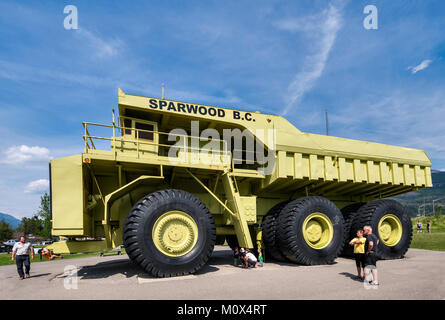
(270, 232)
(391, 223)
(349, 212)
(311, 231)
(169, 233)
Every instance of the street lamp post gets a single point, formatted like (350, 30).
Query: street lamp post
(434, 212)
(418, 209)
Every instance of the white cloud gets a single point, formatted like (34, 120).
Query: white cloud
(423, 65)
(323, 29)
(37, 186)
(24, 154)
(101, 47)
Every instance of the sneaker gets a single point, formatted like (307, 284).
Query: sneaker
(27, 275)
(21, 278)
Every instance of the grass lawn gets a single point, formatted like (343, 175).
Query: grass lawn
(437, 222)
(429, 241)
(5, 259)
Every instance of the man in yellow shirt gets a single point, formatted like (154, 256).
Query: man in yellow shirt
(359, 253)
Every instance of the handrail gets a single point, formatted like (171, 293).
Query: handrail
(86, 136)
(153, 131)
(226, 156)
(156, 144)
(91, 140)
(139, 141)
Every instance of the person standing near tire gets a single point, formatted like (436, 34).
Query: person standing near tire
(20, 252)
(371, 254)
(235, 256)
(419, 227)
(359, 253)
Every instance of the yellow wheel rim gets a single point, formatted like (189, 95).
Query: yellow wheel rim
(175, 233)
(317, 230)
(390, 230)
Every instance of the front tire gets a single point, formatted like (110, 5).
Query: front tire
(169, 233)
(311, 231)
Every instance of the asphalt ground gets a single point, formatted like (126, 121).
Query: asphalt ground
(418, 276)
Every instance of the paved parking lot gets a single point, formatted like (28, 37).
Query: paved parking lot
(418, 276)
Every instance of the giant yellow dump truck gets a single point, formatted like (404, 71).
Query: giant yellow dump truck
(169, 180)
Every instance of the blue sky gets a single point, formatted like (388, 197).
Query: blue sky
(295, 58)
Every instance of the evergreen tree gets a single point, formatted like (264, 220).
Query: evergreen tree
(6, 231)
(45, 214)
(39, 224)
(31, 226)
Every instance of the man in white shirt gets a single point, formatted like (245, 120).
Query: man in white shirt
(21, 251)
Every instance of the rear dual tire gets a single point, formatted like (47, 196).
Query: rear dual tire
(270, 237)
(307, 231)
(390, 222)
(299, 227)
(349, 213)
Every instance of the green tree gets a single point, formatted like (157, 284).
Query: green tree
(6, 231)
(45, 214)
(40, 224)
(31, 226)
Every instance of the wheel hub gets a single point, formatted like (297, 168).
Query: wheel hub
(390, 230)
(314, 231)
(318, 230)
(385, 231)
(175, 233)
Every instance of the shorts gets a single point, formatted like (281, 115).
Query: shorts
(359, 260)
(371, 259)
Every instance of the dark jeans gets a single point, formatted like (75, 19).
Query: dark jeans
(20, 260)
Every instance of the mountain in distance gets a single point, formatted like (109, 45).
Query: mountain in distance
(414, 199)
(13, 222)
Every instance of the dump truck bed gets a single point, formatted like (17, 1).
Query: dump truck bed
(339, 167)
